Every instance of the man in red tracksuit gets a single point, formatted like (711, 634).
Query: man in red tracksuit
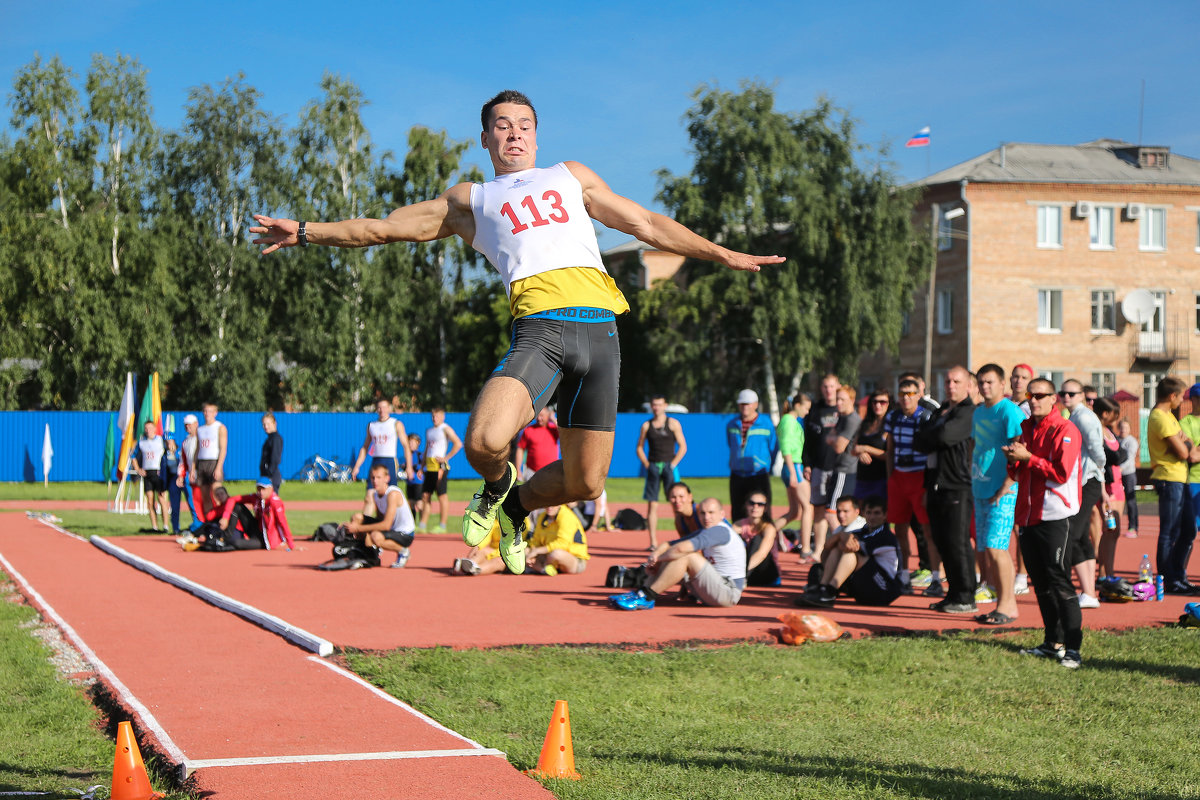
(1045, 463)
(268, 511)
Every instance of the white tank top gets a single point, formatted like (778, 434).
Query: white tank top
(436, 443)
(208, 445)
(383, 435)
(151, 452)
(533, 221)
(403, 521)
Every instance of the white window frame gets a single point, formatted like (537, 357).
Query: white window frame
(1152, 223)
(1096, 231)
(1055, 376)
(1196, 323)
(1049, 227)
(1045, 310)
(1105, 383)
(1109, 302)
(945, 311)
(1149, 386)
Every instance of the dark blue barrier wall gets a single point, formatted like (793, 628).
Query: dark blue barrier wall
(78, 440)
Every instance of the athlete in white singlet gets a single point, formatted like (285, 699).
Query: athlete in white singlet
(438, 440)
(534, 227)
(386, 520)
(149, 457)
(385, 440)
(212, 442)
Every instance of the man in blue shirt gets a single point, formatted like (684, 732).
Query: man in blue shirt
(752, 449)
(997, 423)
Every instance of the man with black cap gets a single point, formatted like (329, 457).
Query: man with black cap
(752, 449)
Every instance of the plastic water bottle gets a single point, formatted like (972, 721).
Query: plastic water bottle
(1110, 520)
(1145, 574)
(1158, 587)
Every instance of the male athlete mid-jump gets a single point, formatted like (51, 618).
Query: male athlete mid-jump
(534, 226)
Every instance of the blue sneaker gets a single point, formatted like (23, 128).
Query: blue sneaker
(634, 601)
(401, 559)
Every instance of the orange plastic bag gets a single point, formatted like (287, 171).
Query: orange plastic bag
(802, 627)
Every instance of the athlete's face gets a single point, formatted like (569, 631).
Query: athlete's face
(711, 512)
(379, 481)
(385, 410)
(438, 417)
(680, 499)
(846, 512)
(991, 387)
(658, 406)
(148, 429)
(190, 427)
(909, 396)
(511, 139)
(210, 414)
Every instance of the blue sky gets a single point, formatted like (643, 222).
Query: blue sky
(612, 81)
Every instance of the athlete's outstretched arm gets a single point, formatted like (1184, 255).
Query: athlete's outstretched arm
(420, 222)
(611, 209)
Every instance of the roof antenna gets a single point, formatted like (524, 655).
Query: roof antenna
(1141, 111)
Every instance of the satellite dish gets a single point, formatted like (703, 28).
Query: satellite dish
(1138, 306)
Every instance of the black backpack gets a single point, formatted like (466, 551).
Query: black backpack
(629, 520)
(328, 532)
(350, 553)
(627, 577)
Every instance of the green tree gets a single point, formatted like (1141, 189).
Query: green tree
(765, 181)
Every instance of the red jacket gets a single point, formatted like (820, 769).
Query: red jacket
(1049, 484)
(270, 515)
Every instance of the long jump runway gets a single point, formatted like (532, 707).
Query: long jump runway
(250, 715)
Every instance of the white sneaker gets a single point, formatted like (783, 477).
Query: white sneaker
(1021, 585)
(1088, 601)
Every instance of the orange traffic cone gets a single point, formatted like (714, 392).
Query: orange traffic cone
(558, 757)
(130, 781)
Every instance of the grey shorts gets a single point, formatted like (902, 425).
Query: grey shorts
(827, 487)
(206, 472)
(575, 351)
(713, 589)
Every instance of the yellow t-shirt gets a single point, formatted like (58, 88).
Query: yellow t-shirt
(566, 288)
(564, 532)
(1161, 426)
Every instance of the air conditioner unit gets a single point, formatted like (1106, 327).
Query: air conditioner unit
(1135, 210)
(1083, 209)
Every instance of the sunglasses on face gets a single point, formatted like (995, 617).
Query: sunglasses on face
(1040, 395)
(1065, 393)
(756, 503)
(908, 394)
(880, 401)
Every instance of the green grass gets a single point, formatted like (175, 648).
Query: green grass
(51, 736)
(962, 716)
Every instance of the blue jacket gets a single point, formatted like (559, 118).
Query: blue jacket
(757, 455)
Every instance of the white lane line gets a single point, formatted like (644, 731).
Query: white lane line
(393, 755)
(288, 631)
(127, 697)
(381, 694)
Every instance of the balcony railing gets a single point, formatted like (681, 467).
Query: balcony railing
(1167, 345)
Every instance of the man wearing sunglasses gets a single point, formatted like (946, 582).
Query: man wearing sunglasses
(1045, 463)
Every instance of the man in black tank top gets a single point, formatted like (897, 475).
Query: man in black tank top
(666, 448)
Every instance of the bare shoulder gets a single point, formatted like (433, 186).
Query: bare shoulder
(459, 196)
(585, 175)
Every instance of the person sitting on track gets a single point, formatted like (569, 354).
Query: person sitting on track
(386, 521)
(268, 512)
(483, 558)
(558, 543)
(711, 562)
(862, 561)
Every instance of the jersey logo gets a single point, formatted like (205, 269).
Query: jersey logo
(518, 183)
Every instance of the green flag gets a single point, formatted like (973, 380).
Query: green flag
(110, 450)
(146, 414)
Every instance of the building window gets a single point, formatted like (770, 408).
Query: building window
(1149, 386)
(1049, 311)
(1100, 227)
(1049, 226)
(945, 229)
(1055, 376)
(1105, 383)
(1197, 312)
(1198, 231)
(1104, 311)
(938, 390)
(1154, 229)
(945, 310)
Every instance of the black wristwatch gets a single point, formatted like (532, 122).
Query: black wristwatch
(302, 236)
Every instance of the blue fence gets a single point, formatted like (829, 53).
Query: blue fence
(78, 439)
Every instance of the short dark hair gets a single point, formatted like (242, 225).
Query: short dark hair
(1105, 405)
(910, 376)
(848, 498)
(1046, 381)
(875, 501)
(1167, 387)
(507, 96)
(993, 368)
(377, 467)
(1087, 387)
(909, 382)
(654, 397)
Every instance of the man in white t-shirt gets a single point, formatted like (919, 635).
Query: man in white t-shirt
(386, 520)
(535, 227)
(149, 457)
(441, 445)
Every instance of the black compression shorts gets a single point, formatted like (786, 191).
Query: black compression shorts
(574, 350)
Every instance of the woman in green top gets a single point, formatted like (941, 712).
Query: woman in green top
(790, 432)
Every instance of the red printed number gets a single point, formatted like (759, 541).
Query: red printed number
(559, 214)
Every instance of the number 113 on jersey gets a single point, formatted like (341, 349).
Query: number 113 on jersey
(553, 198)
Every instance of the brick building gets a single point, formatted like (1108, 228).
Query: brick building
(1039, 246)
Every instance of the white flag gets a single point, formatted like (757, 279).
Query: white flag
(47, 453)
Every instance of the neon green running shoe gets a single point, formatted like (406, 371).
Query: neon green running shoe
(481, 511)
(512, 543)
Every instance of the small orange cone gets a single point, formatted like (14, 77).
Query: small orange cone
(130, 781)
(558, 756)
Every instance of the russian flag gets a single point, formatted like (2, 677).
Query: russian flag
(919, 139)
